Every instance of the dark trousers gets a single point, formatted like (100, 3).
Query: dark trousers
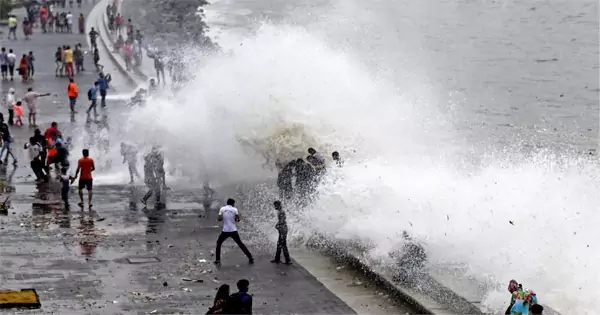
(38, 169)
(92, 106)
(102, 98)
(155, 190)
(11, 116)
(64, 194)
(72, 102)
(236, 238)
(282, 246)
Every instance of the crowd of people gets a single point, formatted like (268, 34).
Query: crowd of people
(306, 172)
(129, 41)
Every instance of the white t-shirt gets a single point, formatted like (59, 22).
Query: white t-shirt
(30, 98)
(11, 59)
(69, 18)
(34, 151)
(10, 101)
(229, 213)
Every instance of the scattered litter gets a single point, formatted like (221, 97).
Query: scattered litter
(171, 245)
(340, 267)
(79, 295)
(165, 284)
(511, 222)
(215, 281)
(202, 260)
(193, 280)
(115, 302)
(186, 290)
(154, 312)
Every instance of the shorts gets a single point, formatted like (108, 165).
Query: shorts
(87, 183)
(31, 109)
(4, 68)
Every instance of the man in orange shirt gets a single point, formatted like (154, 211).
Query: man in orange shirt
(73, 92)
(86, 166)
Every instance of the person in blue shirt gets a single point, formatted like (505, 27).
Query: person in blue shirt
(93, 97)
(103, 81)
(240, 302)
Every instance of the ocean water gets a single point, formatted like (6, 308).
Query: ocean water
(467, 123)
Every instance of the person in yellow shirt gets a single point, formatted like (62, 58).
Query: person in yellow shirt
(69, 61)
(12, 26)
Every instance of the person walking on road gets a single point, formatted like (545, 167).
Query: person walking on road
(35, 156)
(229, 215)
(68, 60)
(129, 154)
(6, 142)
(10, 102)
(4, 63)
(30, 99)
(73, 93)
(93, 98)
(30, 65)
(58, 59)
(12, 26)
(86, 166)
(103, 81)
(11, 59)
(282, 229)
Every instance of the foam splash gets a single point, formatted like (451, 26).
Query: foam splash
(283, 90)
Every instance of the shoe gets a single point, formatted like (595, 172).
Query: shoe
(80, 204)
(251, 261)
(276, 261)
(288, 263)
(217, 262)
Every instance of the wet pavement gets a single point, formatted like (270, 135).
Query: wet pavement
(118, 258)
(122, 258)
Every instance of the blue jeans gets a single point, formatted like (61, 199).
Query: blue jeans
(6, 146)
(72, 102)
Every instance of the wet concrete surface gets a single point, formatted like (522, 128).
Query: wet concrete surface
(81, 261)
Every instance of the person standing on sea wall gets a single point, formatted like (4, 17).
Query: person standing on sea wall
(282, 230)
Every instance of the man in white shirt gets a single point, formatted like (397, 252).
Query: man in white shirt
(9, 103)
(230, 215)
(11, 60)
(70, 22)
(35, 156)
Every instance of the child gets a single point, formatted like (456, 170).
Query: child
(19, 113)
(66, 181)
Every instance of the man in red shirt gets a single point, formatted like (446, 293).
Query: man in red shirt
(85, 165)
(52, 132)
